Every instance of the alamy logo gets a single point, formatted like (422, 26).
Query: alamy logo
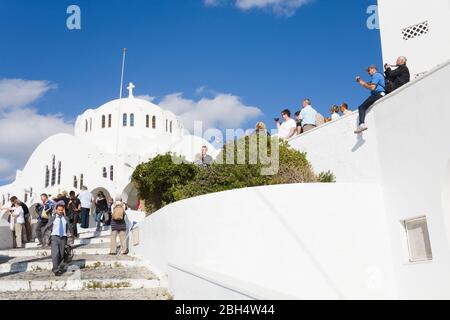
(373, 22)
(74, 20)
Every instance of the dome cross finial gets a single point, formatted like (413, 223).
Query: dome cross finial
(130, 88)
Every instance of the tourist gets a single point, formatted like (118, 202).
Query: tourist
(261, 128)
(86, 204)
(376, 86)
(398, 77)
(74, 212)
(206, 159)
(308, 116)
(335, 113)
(60, 235)
(45, 213)
(288, 128)
(16, 223)
(344, 110)
(118, 226)
(101, 209)
(27, 217)
(298, 122)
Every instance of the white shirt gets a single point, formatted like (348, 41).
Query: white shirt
(85, 199)
(18, 215)
(286, 128)
(56, 223)
(335, 116)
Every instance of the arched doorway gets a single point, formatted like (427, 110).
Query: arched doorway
(130, 196)
(94, 193)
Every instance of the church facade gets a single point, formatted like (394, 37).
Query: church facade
(107, 145)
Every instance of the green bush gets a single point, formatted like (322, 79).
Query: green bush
(161, 181)
(327, 177)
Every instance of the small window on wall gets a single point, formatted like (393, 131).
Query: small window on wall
(125, 120)
(147, 121)
(132, 120)
(418, 238)
(109, 121)
(59, 172)
(3, 200)
(87, 126)
(111, 173)
(167, 125)
(171, 126)
(25, 198)
(104, 173)
(81, 180)
(154, 122)
(103, 121)
(47, 177)
(75, 182)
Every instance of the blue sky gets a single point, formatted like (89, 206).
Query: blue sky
(267, 59)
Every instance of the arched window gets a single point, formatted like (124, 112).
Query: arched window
(59, 172)
(154, 122)
(170, 126)
(87, 126)
(109, 121)
(111, 173)
(47, 176)
(53, 171)
(105, 174)
(81, 180)
(132, 120)
(125, 120)
(75, 182)
(103, 121)
(147, 121)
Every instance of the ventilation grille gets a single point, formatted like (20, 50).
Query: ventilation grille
(416, 31)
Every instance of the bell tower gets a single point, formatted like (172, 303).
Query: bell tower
(416, 29)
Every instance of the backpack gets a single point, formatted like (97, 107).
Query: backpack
(118, 213)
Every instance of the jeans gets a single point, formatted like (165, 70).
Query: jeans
(84, 215)
(98, 219)
(74, 222)
(366, 105)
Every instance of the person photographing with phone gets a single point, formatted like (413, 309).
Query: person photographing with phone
(398, 77)
(376, 85)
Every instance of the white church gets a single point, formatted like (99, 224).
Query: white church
(107, 145)
(381, 232)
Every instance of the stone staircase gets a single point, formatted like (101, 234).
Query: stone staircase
(92, 275)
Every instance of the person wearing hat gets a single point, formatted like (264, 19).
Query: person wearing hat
(376, 85)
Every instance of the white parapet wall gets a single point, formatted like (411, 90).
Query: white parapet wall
(302, 241)
(406, 151)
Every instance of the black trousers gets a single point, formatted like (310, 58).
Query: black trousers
(366, 105)
(58, 245)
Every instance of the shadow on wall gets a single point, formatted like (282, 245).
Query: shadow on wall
(446, 197)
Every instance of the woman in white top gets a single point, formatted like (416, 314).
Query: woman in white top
(17, 224)
(335, 113)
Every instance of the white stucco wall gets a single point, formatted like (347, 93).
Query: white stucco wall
(274, 242)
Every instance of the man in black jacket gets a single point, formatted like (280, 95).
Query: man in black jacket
(398, 77)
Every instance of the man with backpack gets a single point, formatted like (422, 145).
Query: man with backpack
(376, 85)
(27, 216)
(118, 226)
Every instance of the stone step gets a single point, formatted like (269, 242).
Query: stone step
(124, 294)
(97, 277)
(82, 241)
(92, 249)
(92, 234)
(76, 285)
(46, 264)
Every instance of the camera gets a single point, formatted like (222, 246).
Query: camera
(358, 78)
(277, 119)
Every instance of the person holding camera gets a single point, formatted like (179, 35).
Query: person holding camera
(376, 85)
(286, 129)
(398, 77)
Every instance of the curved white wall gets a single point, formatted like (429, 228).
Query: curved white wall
(303, 241)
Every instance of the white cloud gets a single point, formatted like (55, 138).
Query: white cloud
(223, 111)
(22, 128)
(18, 93)
(146, 97)
(280, 7)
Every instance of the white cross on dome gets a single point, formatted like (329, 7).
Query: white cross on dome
(130, 88)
